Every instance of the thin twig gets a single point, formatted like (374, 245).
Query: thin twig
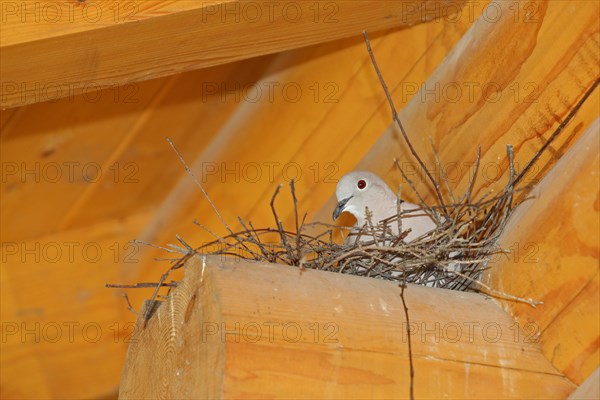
(408, 333)
(558, 130)
(140, 285)
(190, 173)
(442, 172)
(497, 293)
(129, 306)
(178, 250)
(295, 200)
(282, 235)
(413, 187)
(399, 208)
(196, 222)
(399, 123)
(472, 180)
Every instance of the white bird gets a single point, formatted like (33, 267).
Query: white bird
(359, 190)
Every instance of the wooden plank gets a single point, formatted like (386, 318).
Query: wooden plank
(351, 147)
(55, 152)
(23, 23)
(24, 361)
(130, 164)
(572, 340)
(320, 334)
(63, 334)
(111, 43)
(191, 118)
(554, 259)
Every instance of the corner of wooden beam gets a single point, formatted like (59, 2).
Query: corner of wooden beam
(233, 328)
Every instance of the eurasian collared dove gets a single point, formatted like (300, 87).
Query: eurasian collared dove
(360, 190)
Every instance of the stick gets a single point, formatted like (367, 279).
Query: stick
(399, 123)
(412, 186)
(558, 130)
(493, 292)
(140, 285)
(293, 190)
(280, 225)
(475, 170)
(190, 173)
(410, 359)
(129, 306)
(441, 167)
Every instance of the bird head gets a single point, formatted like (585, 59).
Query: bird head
(359, 190)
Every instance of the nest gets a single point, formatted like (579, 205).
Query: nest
(452, 256)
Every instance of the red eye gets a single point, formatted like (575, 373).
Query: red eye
(361, 184)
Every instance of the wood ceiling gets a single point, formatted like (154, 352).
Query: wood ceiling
(84, 174)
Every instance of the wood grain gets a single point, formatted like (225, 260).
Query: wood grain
(556, 260)
(130, 165)
(540, 75)
(112, 43)
(57, 315)
(559, 58)
(588, 390)
(321, 334)
(109, 131)
(348, 114)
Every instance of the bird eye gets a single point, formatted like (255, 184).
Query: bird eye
(361, 184)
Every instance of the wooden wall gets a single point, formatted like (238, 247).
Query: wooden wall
(84, 174)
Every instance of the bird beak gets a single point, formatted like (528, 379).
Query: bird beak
(340, 207)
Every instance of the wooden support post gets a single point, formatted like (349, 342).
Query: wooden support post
(235, 329)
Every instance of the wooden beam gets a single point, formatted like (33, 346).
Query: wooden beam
(50, 149)
(52, 50)
(588, 390)
(57, 315)
(320, 334)
(553, 239)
